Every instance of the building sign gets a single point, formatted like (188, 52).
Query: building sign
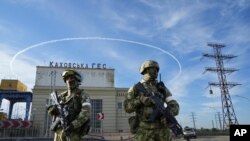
(100, 116)
(76, 65)
(15, 124)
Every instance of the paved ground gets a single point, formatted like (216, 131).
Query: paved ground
(199, 138)
(207, 138)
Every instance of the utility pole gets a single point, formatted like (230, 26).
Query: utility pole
(229, 116)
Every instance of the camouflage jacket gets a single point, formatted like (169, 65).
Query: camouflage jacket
(78, 106)
(133, 104)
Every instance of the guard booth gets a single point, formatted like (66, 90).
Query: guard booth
(15, 91)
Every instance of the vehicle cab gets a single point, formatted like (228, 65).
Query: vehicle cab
(189, 133)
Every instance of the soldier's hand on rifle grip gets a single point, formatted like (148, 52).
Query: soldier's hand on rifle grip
(164, 121)
(53, 110)
(68, 129)
(147, 101)
(161, 86)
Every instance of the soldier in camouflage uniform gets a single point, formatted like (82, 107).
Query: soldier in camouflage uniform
(78, 106)
(136, 101)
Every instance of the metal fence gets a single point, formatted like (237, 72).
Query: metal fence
(19, 132)
(32, 134)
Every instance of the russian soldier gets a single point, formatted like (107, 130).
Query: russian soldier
(137, 101)
(77, 108)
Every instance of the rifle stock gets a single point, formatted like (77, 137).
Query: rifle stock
(55, 124)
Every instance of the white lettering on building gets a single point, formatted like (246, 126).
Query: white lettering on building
(53, 64)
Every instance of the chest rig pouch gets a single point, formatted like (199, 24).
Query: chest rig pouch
(73, 107)
(150, 114)
(134, 123)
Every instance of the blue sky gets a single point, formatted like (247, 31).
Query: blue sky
(179, 27)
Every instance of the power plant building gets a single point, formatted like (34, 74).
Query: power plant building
(108, 114)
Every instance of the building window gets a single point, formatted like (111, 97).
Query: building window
(119, 105)
(96, 105)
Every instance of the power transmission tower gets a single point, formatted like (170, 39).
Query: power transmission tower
(229, 116)
(193, 119)
(218, 118)
(213, 124)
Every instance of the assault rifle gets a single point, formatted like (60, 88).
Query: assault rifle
(161, 111)
(61, 119)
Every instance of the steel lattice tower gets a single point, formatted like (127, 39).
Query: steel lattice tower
(229, 116)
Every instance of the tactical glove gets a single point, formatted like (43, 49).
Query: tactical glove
(147, 101)
(68, 129)
(53, 110)
(161, 86)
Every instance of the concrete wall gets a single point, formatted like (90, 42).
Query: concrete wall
(47, 76)
(121, 116)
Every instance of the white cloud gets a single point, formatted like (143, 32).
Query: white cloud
(154, 4)
(24, 67)
(216, 106)
(130, 21)
(174, 18)
(238, 34)
(230, 7)
(189, 75)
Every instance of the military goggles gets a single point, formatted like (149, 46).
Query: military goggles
(67, 73)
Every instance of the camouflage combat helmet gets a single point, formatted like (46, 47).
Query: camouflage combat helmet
(69, 72)
(148, 64)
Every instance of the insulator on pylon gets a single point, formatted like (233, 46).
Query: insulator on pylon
(210, 91)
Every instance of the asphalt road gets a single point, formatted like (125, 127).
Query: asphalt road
(199, 138)
(207, 138)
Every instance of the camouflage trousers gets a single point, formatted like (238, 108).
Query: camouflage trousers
(158, 134)
(60, 136)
